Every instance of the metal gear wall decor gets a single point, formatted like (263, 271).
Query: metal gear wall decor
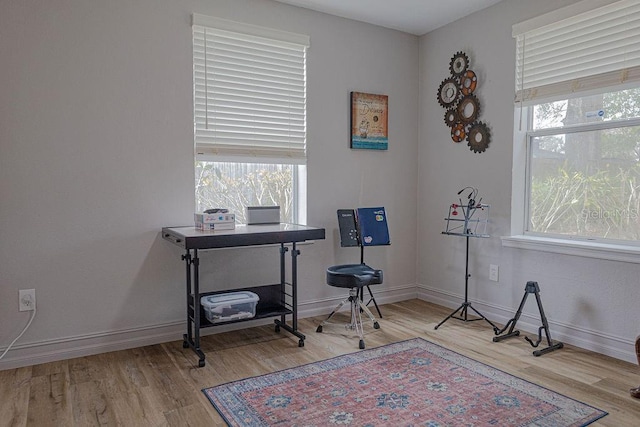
(457, 132)
(456, 95)
(468, 109)
(468, 82)
(451, 117)
(449, 92)
(478, 137)
(459, 64)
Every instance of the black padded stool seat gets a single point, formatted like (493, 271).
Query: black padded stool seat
(353, 276)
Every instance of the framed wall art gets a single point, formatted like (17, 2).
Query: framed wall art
(369, 121)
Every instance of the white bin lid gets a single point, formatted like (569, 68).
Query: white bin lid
(229, 298)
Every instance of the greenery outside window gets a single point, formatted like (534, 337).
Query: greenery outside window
(238, 185)
(583, 175)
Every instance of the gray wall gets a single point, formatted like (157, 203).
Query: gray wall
(96, 155)
(589, 302)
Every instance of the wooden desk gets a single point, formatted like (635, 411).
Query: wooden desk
(275, 301)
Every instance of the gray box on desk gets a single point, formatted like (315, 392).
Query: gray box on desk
(263, 215)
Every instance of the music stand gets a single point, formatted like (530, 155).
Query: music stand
(472, 223)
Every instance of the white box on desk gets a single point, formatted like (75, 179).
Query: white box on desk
(229, 306)
(212, 218)
(263, 214)
(216, 226)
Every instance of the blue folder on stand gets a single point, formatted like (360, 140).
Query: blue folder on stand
(373, 226)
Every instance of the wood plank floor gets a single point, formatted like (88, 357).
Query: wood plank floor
(161, 385)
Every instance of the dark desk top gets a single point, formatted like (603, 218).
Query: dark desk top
(188, 237)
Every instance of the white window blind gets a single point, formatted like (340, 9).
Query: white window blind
(249, 92)
(563, 52)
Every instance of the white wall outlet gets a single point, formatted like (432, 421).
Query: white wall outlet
(27, 299)
(493, 272)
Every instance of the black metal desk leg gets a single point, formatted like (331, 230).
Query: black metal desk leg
(187, 338)
(196, 307)
(192, 337)
(281, 323)
(294, 286)
(294, 294)
(283, 280)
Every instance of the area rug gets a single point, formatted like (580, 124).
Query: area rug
(410, 383)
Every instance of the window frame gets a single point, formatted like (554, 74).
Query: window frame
(627, 74)
(521, 237)
(299, 186)
(530, 135)
(285, 152)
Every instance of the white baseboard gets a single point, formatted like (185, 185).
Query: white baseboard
(610, 345)
(85, 345)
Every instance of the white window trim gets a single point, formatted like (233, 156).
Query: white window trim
(579, 246)
(254, 30)
(605, 251)
(519, 175)
(558, 15)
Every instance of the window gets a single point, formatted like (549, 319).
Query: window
(583, 177)
(578, 123)
(249, 87)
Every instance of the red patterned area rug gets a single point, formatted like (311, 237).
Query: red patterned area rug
(410, 383)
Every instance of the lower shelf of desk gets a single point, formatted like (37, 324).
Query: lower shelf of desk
(269, 305)
(274, 302)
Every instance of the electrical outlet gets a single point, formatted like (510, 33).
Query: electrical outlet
(27, 299)
(493, 272)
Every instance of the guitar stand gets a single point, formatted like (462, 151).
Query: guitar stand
(530, 288)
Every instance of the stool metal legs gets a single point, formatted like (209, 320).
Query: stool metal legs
(357, 307)
(372, 299)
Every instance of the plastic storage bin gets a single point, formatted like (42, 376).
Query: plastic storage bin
(229, 306)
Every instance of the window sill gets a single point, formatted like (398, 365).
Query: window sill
(623, 253)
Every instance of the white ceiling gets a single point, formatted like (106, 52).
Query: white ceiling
(411, 16)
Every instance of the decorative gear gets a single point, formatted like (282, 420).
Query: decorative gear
(468, 109)
(478, 137)
(448, 92)
(457, 132)
(459, 64)
(451, 117)
(468, 82)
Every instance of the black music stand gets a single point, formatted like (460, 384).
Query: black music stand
(471, 221)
